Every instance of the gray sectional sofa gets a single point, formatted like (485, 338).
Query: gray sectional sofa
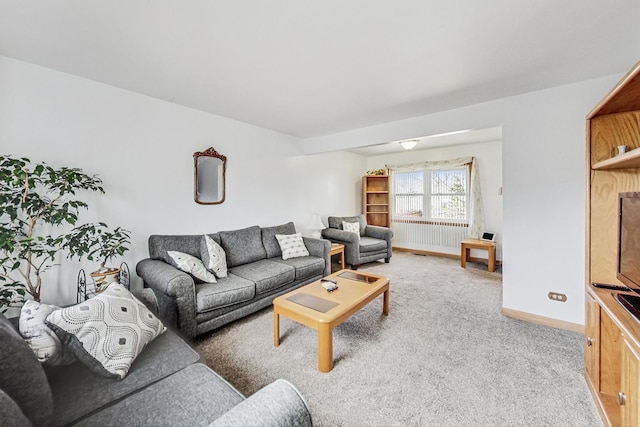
(256, 275)
(166, 386)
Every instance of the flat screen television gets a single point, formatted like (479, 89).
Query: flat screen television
(629, 250)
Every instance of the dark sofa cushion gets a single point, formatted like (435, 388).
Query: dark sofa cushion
(159, 245)
(242, 246)
(369, 244)
(195, 396)
(306, 266)
(228, 291)
(266, 274)
(269, 240)
(22, 377)
(70, 384)
(10, 412)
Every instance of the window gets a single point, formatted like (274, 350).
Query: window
(431, 195)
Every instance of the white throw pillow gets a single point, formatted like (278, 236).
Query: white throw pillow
(292, 245)
(192, 265)
(351, 227)
(108, 331)
(43, 341)
(213, 257)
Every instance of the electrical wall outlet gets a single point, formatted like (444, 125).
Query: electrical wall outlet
(555, 296)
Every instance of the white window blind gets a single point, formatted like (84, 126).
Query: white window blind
(436, 204)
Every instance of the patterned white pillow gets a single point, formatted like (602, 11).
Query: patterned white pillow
(292, 245)
(107, 332)
(43, 341)
(213, 257)
(351, 227)
(192, 265)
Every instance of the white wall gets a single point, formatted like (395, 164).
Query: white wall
(489, 160)
(543, 186)
(142, 148)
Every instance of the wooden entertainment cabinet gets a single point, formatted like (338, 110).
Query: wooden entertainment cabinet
(612, 335)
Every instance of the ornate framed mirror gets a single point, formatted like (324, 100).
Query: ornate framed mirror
(209, 177)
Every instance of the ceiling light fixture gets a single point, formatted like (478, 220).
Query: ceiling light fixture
(409, 144)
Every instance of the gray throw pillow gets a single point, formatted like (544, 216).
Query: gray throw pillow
(22, 377)
(242, 246)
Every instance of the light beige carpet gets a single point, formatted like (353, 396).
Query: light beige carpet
(445, 356)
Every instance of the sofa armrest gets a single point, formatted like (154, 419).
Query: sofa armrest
(277, 404)
(319, 248)
(175, 292)
(382, 233)
(148, 298)
(335, 234)
(377, 232)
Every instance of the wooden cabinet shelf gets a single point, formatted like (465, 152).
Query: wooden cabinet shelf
(612, 335)
(628, 160)
(375, 199)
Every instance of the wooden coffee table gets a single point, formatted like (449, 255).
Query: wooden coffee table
(313, 306)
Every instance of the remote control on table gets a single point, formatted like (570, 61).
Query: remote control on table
(329, 286)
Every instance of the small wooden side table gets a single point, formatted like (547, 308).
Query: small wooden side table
(337, 248)
(468, 244)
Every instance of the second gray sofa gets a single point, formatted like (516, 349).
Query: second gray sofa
(256, 275)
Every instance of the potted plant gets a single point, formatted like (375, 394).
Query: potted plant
(97, 241)
(38, 206)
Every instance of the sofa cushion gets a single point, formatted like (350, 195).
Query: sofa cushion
(43, 341)
(107, 332)
(243, 246)
(213, 256)
(164, 356)
(228, 291)
(269, 238)
(336, 222)
(10, 412)
(194, 396)
(369, 244)
(159, 245)
(22, 377)
(292, 245)
(306, 267)
(266, 274)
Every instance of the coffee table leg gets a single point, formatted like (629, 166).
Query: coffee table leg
(325, 348)
(276, 328)
(385, 303)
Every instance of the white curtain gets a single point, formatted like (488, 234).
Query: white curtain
(476, 210)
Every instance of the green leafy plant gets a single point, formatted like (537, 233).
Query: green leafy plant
(97, 241)
(37, 204)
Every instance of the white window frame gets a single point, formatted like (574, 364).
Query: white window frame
(426, 199)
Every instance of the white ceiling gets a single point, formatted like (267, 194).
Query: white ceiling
(311, 68)
(461, 137)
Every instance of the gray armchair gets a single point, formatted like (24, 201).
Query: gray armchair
(373, 244)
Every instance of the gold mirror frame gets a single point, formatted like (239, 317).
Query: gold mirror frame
(209, 186)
